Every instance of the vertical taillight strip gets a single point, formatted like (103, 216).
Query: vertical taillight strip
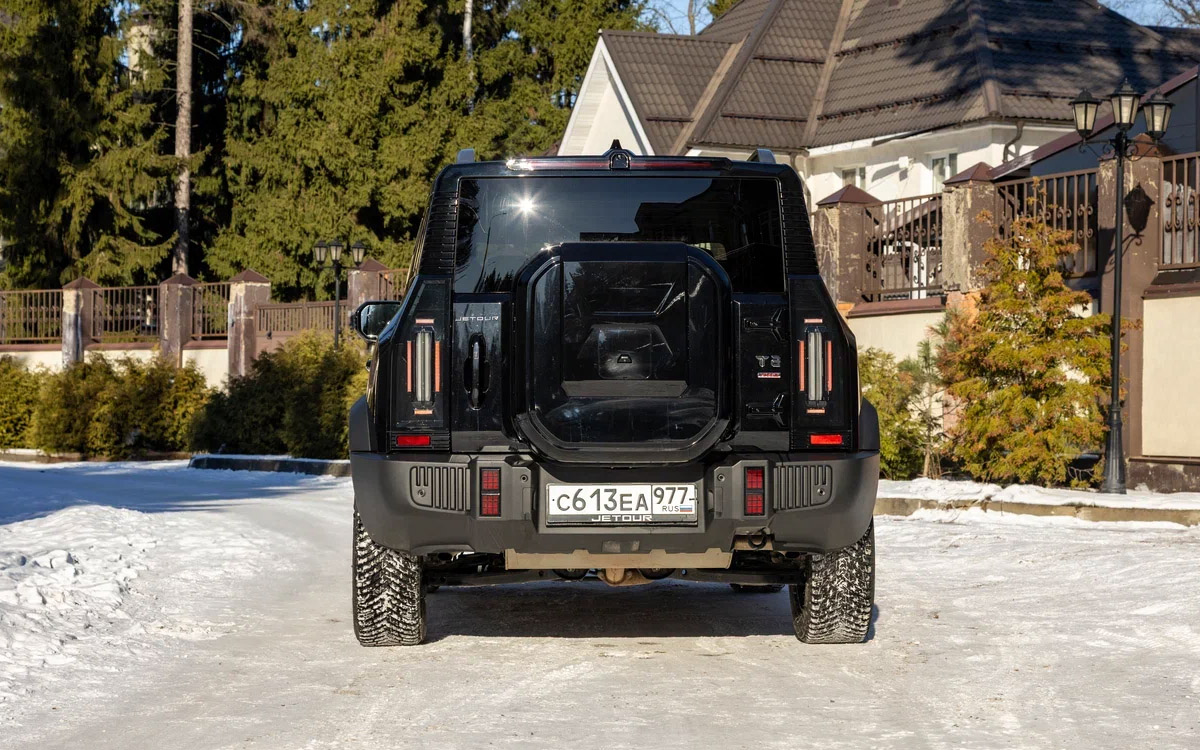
(829, 365)
(816, 367)
(801, 364)
(408, 363)
(423, 366)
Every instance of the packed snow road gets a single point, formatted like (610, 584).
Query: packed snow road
(152, 606)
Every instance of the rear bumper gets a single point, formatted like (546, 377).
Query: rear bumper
(428, 502)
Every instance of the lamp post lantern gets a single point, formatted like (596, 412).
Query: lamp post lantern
(333, 251)
(1157, 113)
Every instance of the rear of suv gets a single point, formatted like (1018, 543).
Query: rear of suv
(621, 366)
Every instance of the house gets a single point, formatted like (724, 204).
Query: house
(890, 96)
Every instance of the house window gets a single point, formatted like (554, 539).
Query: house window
(943, 167)
(856, 176)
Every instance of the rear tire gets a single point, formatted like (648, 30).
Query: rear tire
(746, 588)
(388, 596)
(834, 604)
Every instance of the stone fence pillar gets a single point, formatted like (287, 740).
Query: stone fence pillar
(175, 301)
(364, 283)
(839, 233)
(964, 198)
(247, 291)
(77, 319)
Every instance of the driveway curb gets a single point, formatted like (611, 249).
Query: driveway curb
(314, 466)
(906, 506)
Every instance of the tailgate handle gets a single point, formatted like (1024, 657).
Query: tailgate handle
(475, 373)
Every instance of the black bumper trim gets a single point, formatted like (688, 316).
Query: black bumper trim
(383, 497)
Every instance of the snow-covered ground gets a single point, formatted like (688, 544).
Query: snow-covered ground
(957, 492)
(146, 606)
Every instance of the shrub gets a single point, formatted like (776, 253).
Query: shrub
(294, 400)
(18, 394)
(1029, 371)
(928, 404)
(118, 410)
(149, 406)
(66, 402)
(892, 391)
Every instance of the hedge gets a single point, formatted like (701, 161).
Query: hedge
(117, 409)
(18, 395)
(294, 400)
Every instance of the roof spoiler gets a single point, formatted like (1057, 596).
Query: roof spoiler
(762, 155)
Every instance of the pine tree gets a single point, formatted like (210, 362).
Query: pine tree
(339, 133)
(927, 403)
(892, 390)
(81, 161)
(1028, 368)
(717, 8)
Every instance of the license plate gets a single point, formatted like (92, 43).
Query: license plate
(621, 503)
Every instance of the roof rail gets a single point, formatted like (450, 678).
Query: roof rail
(465, 156)
(763, 155)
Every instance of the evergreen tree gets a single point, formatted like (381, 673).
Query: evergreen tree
(892, 390)
(927, 403)
(338, 132)
(81, 160)
(717, 8)
(1029, 370)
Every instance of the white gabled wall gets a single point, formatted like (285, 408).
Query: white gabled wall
(602, 112)
(886, 180)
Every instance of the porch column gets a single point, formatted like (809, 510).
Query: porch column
(247, 291)
(964, 197)
(175, 301)
(77, 319)
(839, 224)
(1143, 245)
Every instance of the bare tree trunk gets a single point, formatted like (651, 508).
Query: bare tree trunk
(469, 50)
(468, 15)
(183, 137)
(691, 17)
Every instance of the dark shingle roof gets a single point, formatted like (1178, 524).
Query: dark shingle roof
(811, 73)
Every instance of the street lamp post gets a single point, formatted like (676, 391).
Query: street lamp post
(333, 251)
(1157, 112)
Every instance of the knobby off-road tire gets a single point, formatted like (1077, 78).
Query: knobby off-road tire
(388, 593)
(745, 588)
(834, 603)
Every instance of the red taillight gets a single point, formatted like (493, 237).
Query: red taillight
(413, 441)
(754, 479)
(489, 480)
(825, 440)
(489, 492)
(755, 502)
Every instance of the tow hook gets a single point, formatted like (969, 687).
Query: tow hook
(758, 539)
(622, 576)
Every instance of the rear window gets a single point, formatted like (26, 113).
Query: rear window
(503, 222)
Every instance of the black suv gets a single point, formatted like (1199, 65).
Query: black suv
(622, 366)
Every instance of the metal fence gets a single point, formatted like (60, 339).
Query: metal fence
(125, 314)
(1065, 201)
(294, 317)
(210, 311)
(31, 317)
(1180, 181)
(904, 249)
